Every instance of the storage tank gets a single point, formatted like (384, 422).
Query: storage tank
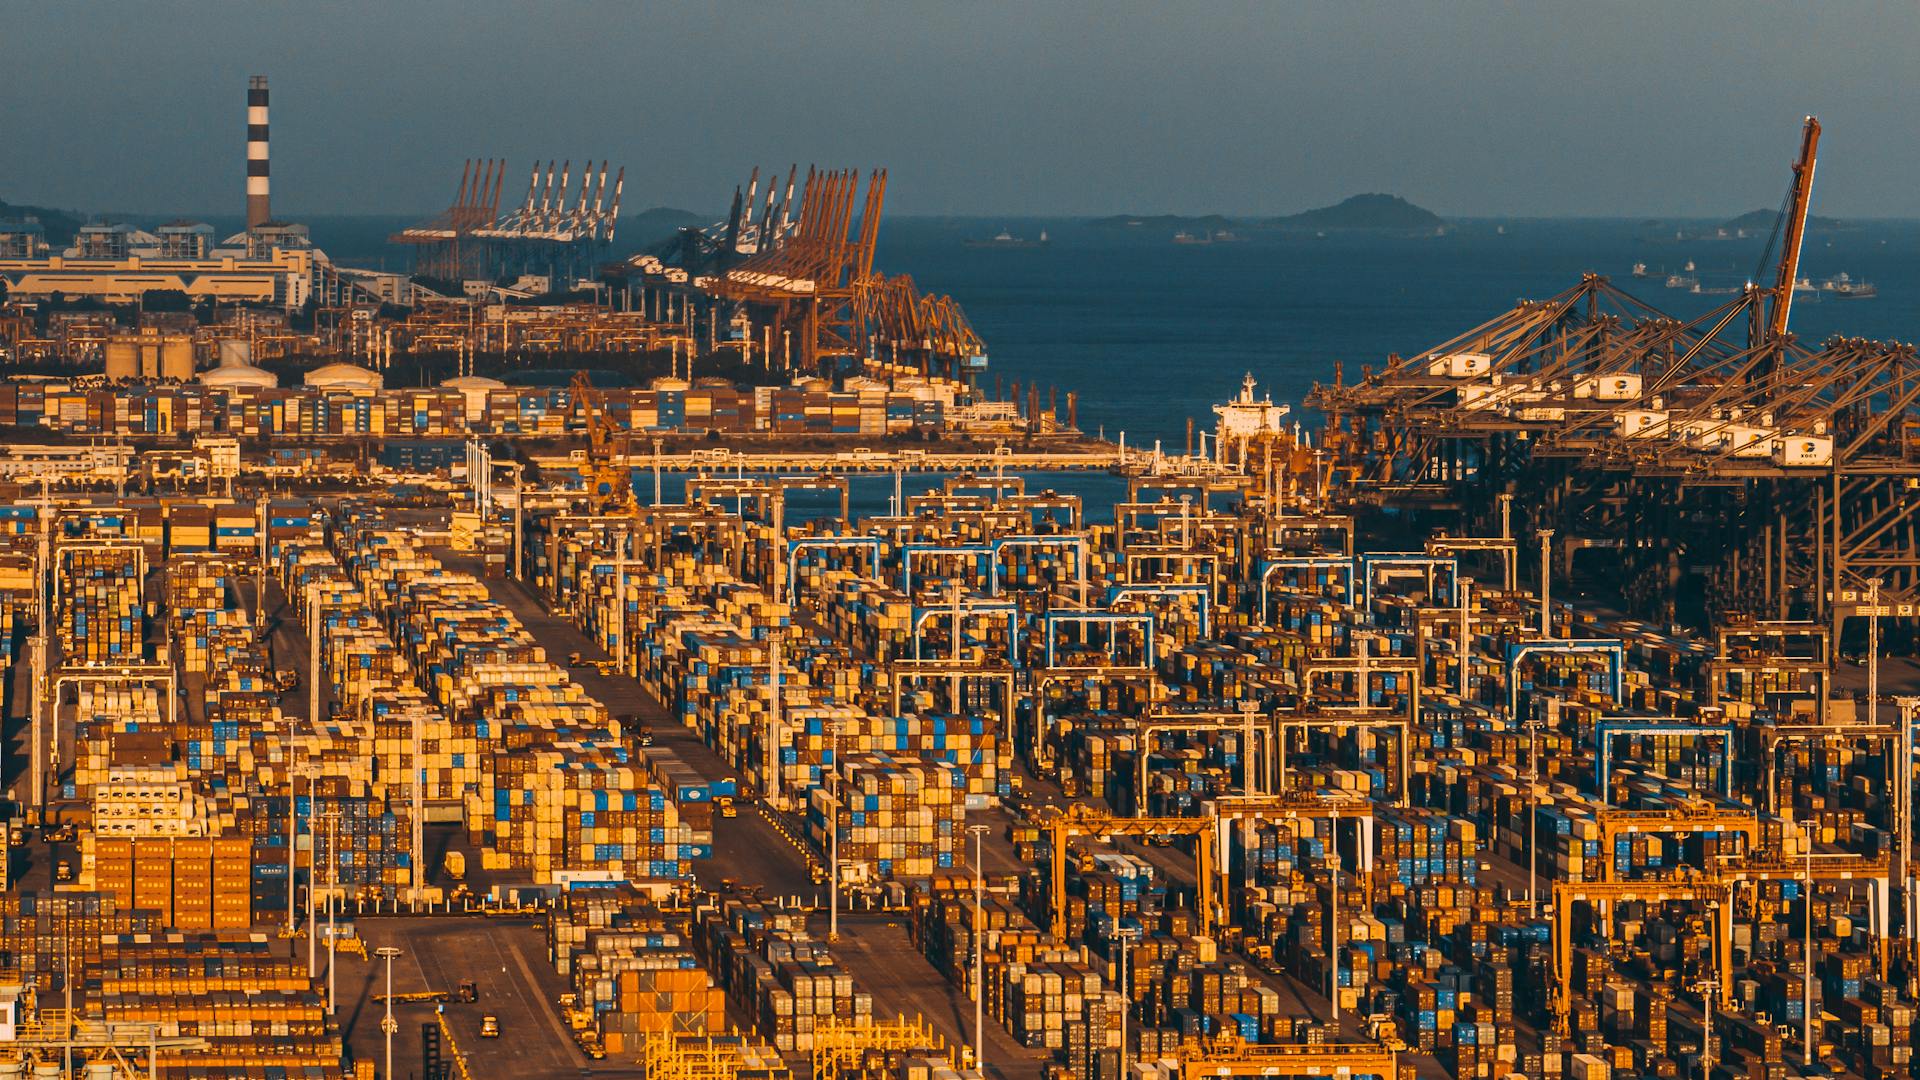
(344, 377)
(235, 370)
(475, 388)
(123, 358)
(176, 357)
(235, 351)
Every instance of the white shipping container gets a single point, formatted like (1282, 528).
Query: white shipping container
(1641, 423)
(1460, 365)
(1746, 441)
(1608, 387)
(1803, 450)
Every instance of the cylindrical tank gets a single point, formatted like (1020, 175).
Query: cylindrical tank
(12, 1069)
(176, 358)
(123, 358)
(48, 1070)
(235, 351)
(98, 1070)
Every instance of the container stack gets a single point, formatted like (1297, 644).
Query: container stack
(945, 924)
(631, 966)
(119, 727)
(786, 983)
(101, 620)
(894, 819)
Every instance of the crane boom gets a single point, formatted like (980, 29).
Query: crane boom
(1796, 228)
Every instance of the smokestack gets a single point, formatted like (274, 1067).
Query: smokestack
(257, 210)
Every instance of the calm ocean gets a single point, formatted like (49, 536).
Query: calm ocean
(1150, 332)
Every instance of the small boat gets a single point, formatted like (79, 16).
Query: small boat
(1640, 270)
(1682, 281)
(1185, 237)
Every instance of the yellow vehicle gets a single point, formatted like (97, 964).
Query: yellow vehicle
(725, 805)
(455, 865)
(1382, 1029)
(489, 1026)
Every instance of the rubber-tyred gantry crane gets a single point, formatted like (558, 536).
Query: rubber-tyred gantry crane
(1699, 889)
(1615, 823)
(1081, 820)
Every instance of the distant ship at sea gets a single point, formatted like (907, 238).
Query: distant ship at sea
(1218, 236)
(1847, 288)
(1008, 240)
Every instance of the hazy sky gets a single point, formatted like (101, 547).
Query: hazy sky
(1466, 107)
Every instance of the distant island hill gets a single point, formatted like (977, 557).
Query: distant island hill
(1372, 211)
(1763, 219)
(1381, 212)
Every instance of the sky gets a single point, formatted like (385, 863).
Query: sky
(1538, 108)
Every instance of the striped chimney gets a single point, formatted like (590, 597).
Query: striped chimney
(257, 210)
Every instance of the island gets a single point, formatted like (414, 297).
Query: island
(1763, 220)
(1370, 211)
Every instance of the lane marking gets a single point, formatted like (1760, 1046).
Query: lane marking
(533, 984)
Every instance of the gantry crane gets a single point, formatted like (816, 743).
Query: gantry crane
(1342, 723)
(1823, 866)
(1231, 1057)
(1195, 723)
(1710, 889)
(609, 485)
(1295, 806)
(1690, 819)
(1798, 198)
(1081, 820)
(1361, 666)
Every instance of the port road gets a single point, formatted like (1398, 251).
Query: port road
(506, 958)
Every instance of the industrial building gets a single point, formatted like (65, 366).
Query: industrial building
(271, 263)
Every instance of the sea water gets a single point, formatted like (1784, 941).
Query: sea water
(1150, 333)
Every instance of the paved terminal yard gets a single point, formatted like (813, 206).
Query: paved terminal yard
(668, 915)
(505, 958)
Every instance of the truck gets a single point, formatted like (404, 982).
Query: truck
(455, 864)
